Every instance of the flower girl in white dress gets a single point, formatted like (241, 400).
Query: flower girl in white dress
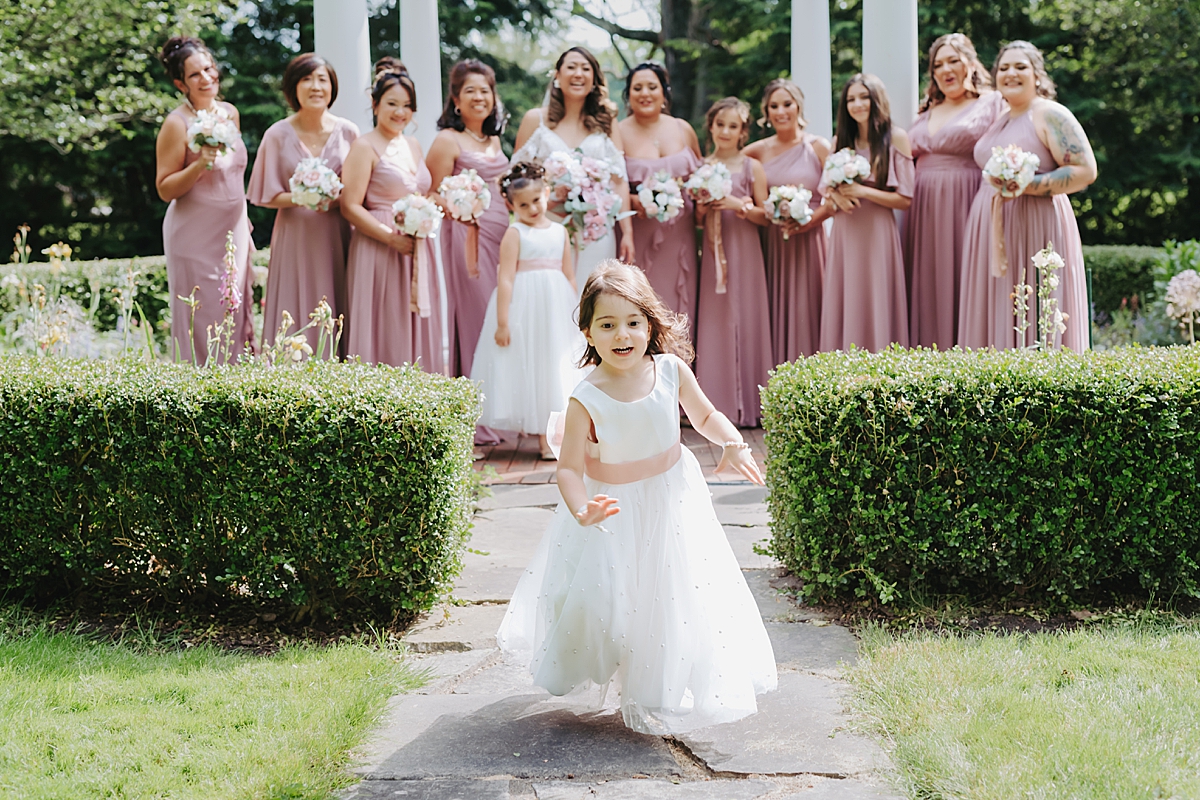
(527, 355)
(634, 582)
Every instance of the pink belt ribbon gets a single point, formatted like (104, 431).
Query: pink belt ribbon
(631, 471)
(419, 302)
(534, 264)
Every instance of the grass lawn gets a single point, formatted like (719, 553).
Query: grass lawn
(1107, 711)
(81, 718)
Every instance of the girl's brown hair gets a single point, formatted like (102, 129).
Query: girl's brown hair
(668, 330)
(599, 112)
(978, 78)
(743, 111)
(879, 126)
(1045, 86)
(791, 88)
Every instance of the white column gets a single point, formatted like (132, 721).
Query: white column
(890, 51)
(421, 51)
(343, 39)
(811, 63)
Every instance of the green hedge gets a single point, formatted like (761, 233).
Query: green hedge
(325, 487)
(1119, 272)
(987, 474)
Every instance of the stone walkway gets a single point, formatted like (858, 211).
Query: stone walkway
(480, 730)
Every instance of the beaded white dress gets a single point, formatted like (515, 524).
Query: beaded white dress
(597, 145)
(654, 601)
(531, 378)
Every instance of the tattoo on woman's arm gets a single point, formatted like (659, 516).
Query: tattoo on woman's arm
(1054, 182)
(1067, 135)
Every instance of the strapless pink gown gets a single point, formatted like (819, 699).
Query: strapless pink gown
(667, 251)
(946, 183)
(194, 243)
(381, 327)
(986, 317)
(796, 266)
(733, 340)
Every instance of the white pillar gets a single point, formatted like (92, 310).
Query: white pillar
(343, 39)
(811, 63)
(421, 51)
(889, 45)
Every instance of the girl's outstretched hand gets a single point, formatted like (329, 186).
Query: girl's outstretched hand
(739, 460)
(598, 509)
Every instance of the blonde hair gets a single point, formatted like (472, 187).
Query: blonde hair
(1045, 86)
(743, 111)
(668, 330)
(978, 78)
(791, 88)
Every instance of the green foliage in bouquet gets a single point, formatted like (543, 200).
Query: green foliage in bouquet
(1051, 475)
(326, 487)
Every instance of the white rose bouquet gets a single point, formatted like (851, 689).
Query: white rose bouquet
(1010, 169)
(212, 128)
(710, 183)
(660, 196)
(467, 196)
(845, 166)
(314, 185)
(789, 204)
(418, 216)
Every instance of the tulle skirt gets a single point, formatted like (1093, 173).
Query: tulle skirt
(654, 603)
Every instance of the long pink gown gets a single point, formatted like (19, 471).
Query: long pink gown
(864, 302)
(194, 243)
(381, 326)
(467, 297)
(986, 317)
(666, 251)
(946, 183)
(733, 343)
(796, 265)
(308, 248)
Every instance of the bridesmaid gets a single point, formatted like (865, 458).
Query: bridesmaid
(864, 302)
(385, 324)
(733, 346)
(308, 248)
(1041, 214)
(959, 106)
(469, 138)
(207, 199)
(795, 265)
(656, 141)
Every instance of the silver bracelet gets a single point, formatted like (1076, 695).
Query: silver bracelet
(739, 445)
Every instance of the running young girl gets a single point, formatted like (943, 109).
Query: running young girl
(526, 355)
(653, 598)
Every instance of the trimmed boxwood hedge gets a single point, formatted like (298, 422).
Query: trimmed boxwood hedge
(327, 487)
(987, 474)
(1119, 272)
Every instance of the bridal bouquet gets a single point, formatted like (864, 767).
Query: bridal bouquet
(418, 216)
(314, 185)
(789, 203)
(467, 196)
(660, 197)
(212, 128)
(1010, 169)
(582, 188)
(710, 183)
(845, 166)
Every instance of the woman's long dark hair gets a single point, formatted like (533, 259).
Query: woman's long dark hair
(599, 113)
(879, 125)
(452, 118)
(660, 72)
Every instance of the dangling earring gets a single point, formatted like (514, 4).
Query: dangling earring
(556, 84)
(457, 113)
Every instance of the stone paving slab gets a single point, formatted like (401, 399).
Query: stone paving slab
(521, 495)
(799, 728)
(812, 647)
(445, 669)
(850, 789)
(428, 790)
(773, 604)
(740, 504)
(653, 790)
(743, 538)
(505, 540)
(456, 628)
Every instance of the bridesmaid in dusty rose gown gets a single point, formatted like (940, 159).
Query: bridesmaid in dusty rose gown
(864, 302)
(471, 124)
(388, 322)
(733, 340)
(1041, 214)
(658, 142)
(207, 199)
(308, 247)
(795, 265)
(958, 107)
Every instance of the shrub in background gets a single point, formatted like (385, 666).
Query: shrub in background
(1118, 273)
(987, 474)
(325, 487)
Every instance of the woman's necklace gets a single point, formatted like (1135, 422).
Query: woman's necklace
(477, 137)
(652, 131)
(187, 102)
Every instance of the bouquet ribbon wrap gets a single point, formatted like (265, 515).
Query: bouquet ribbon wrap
(472, 248)
(999, 257)
(419, 302)
(712, 224)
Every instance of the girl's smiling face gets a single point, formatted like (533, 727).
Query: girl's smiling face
(858, 103)
(529, 203)
(620, 331)
(727, 127)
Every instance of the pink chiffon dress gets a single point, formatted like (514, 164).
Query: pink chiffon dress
(864, 302)
(986, 317)
(308, 248)
(194, 243)
(666, 251)
(947, 180)
(382, 326)
(733, 343)
(796, 265)
(467, 297)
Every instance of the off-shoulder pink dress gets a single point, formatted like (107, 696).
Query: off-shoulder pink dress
(946, 183)
(796, 265)
(733, 340)
(986, 317)
(194, 243)
(467, 297)
(864, 301)
(381, 326)
(308, 248)
(667, 251)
